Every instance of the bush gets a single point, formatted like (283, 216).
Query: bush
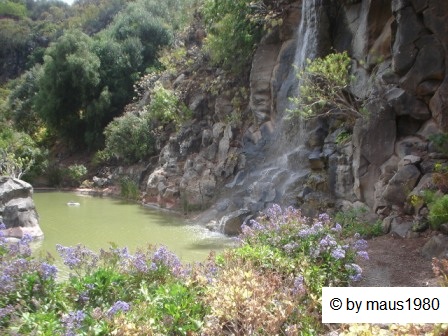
(165, 107)
(75, 174)
(230, 29)
(129, 189)
(19, 155)
(323, 89)
(270, 285)
(352, 223)
(438, 212)
(129, 138)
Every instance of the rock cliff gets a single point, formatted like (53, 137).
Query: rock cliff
(238, 167)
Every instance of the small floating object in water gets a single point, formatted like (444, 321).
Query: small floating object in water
(71, 203)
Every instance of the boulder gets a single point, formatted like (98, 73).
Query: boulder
(401, 184)
(231, 223)
(436, 247)
(17, 209)
(405, 104)
(429, 63)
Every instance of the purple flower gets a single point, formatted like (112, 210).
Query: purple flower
(48, 271)
(290, 247)
(338, 253)
(72, 322)
(305, 233)
(298, 286)
(337, 228)
(169, 259)
(77, 257)
(139, 262)
(324, 217)
(119, 306)
(355, 270)
(360, 245)
(256, 226)
(8, 310)
(363, 254)
(327, 241)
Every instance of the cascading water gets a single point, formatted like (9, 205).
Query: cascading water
(279, 162)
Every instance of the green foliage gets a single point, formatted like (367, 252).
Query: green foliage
(129, 138)
(20, 102)
(19, 155)
(69, 83)
(440, 140)
(129, 189)
(12, 9)
(352, 222)
(286, 250)
(323, 89)
(138, 21)
(438, 212)
(246, 291)
(76, 173)
(230, 29)
(165, 107)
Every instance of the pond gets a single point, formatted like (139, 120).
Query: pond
(96, 222)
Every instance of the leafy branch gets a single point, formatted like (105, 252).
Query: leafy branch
(323, 89)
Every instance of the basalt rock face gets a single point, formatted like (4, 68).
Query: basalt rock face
(399, 50)
(393, 149)
(17, 210)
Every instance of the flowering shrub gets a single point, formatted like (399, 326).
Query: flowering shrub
(270, 285)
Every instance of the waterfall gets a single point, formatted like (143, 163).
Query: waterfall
(279, 163)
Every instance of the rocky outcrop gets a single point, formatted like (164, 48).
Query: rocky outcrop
(399, 51)
(17, 210)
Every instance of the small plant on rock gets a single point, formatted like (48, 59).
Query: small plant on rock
(323, 89)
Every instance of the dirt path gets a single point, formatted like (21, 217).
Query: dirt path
(396, 262)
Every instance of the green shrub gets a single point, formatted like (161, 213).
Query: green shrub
(75, 174)
(165, 107)
(323, 89)
(129, 138)
(20, 157)
(438, 212)
(440, 140)
(230, 29)
(12, 8)
(129, 189)
(352, 223)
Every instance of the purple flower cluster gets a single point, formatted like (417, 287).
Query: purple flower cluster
(162, 256)
(298, 286)
(77, 257)
(72, 322)
(48, 271)
(140, 263)
(338, 253)
(6, 311)
(356, 271)
(119, 306)
(11, 271)
(290, 247)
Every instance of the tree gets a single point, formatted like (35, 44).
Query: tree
(323, 89)
(68, 85)
(20, 101)
(136, 21)
(230, 29)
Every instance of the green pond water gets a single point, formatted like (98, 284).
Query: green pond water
(98, 221)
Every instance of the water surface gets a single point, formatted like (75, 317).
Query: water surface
(97, 222)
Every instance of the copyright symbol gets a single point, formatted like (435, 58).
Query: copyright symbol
(336, 304)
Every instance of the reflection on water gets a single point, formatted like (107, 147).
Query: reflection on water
(96, 222)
